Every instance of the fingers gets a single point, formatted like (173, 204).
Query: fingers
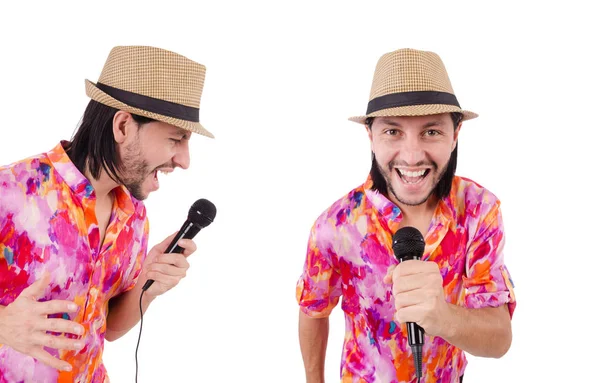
(411, 267)
(174, 259)
(164, 279)
(407, 299)
(407, 268)
(167, 270)
(56, 342)
(408, 283)
(43, 356)
(189, 246)
(409, 314)
(36, 290)
(56, 307)
(60, 326)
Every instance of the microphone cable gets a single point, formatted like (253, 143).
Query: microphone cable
(139, 336)
(201, 214)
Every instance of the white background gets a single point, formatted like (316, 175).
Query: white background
(281, 81)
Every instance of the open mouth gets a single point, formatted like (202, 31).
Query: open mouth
(412, 177)
(162, 171)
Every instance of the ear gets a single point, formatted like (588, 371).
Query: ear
(456, 131)
(124, 126)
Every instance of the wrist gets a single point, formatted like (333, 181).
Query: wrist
(315, 378)
(148, 295)
(450, 321)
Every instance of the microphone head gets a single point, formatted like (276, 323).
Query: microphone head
(408, 243)
(202, 212)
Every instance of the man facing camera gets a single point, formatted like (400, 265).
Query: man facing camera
(459, 293)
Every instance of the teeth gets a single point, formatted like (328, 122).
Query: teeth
(412, 174)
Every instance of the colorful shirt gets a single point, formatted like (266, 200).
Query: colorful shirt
(48, 225)
(349, 252)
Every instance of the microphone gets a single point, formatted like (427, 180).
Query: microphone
(408, 243)
(201, 214)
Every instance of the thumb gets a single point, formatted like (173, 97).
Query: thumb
(161, 247)
(388, 277)
(37, 288)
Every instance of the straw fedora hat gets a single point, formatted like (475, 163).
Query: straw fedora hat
(409, 82)
(153, 83)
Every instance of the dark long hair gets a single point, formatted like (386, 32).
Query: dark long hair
(442, 189)
(93, 145)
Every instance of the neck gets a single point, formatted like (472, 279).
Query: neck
(103, 185)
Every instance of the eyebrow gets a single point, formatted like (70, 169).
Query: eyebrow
(432, 123)
(397, 124)
(390, 122)
(182, 132)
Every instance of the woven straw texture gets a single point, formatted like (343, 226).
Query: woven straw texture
(410, 70)
(156, 73)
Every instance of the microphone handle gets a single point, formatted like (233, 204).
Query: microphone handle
(187, 231)
(415, 335)
(415, 332)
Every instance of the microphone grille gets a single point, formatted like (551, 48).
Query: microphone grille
(202, 212)
(408, 242)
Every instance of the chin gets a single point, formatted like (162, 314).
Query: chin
(413, 199)
(138, 194)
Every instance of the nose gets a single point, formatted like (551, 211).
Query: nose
(411, 150)
(182, 156)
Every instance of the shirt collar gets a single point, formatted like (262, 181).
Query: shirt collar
(80, 185)
(443, 216)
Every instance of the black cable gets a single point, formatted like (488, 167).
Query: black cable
(139, 336)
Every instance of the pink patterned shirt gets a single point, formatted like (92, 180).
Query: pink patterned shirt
(349, 252)
(48, 225)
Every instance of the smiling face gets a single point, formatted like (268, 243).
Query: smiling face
(412, 154)
(145, 150)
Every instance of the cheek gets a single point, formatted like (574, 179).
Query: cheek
(160, 155)
(441, 154)
(383, 152)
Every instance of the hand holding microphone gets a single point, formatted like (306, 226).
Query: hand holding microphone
(167, 264)
(417, 289)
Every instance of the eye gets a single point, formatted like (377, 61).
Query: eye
(432, 133)
(175, 140)
(392, 132)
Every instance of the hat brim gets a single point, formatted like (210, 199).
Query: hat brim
(416, 110)
(97, 95)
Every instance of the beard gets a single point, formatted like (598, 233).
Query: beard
(134, 170)
(435, 173)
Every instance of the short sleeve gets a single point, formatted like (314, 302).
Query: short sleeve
(487, 281)
(319, 288)
(138, 253)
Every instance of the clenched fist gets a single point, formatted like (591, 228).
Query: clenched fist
(418, 292)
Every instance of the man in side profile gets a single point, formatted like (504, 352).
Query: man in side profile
(73, 227)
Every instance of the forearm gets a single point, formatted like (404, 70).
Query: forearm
(1, 309)
(124, 312)
(484, 332)
(313, 334)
